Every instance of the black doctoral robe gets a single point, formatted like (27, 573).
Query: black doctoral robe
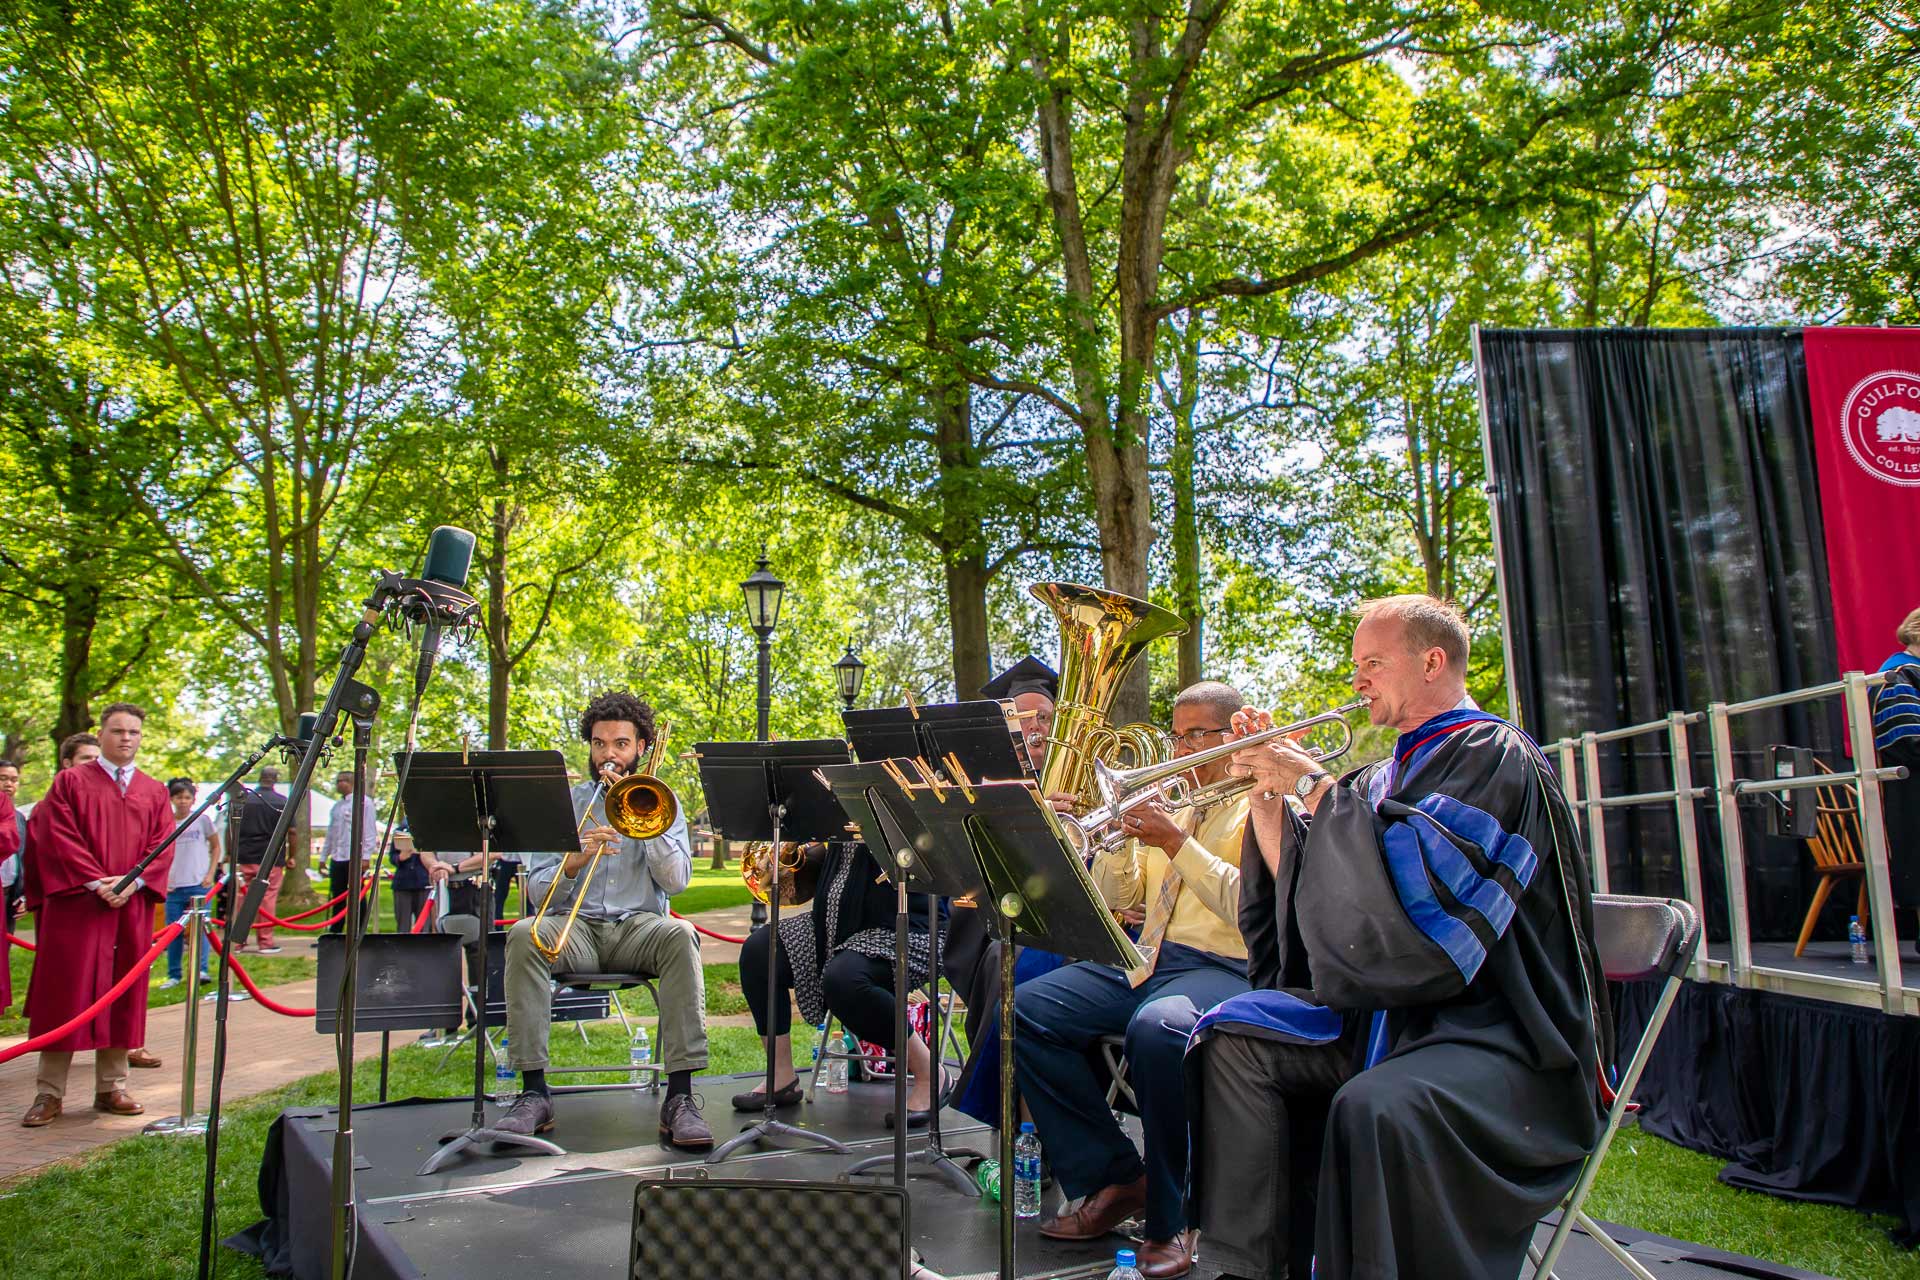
(1429, 887)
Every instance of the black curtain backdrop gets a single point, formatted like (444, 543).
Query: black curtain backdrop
(1661, 536)
(1804, 1098)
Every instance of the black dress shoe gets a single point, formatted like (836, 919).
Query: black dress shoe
(918, 1119)
(788, 1095)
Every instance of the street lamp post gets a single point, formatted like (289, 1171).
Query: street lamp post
(849, 673)
(763, 591)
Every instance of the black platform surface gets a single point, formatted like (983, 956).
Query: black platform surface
(512, 1216)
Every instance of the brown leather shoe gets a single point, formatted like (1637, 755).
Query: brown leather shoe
(141, 1058)
(1162, 1259)
(45, 1110)
(682, 1125)
(117, 1103)
(1100, 1212)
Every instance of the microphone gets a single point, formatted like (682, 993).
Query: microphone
(449, 559)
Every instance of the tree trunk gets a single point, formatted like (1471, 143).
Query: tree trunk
(79, 618)
(963, 541)
(499, 625)
(966, 574)
(1186, 520)
(719, 860)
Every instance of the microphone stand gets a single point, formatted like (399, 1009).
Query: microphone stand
(246, 767)
(349, 694)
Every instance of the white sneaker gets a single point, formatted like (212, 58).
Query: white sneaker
(168, 984)
(271, 951)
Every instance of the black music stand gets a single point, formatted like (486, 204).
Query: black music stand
(873, 799)
(1036, 893)
(772, 791)
(982, 734)
(516, 801)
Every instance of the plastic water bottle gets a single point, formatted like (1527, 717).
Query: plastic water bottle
(836, 1075)
(1026, 1172)
(1123, 1268)
(640, 1050)
(986, 1176)
(1857, 939)
(503, 1068)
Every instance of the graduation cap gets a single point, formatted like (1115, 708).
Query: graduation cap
(1029, 675)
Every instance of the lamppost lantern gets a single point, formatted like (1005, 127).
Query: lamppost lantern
(850, 672)
(763, 591)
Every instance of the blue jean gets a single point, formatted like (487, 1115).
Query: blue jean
(1060, 1016)
(178, 899)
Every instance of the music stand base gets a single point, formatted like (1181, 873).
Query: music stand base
(761, 1130)
(922, 1161)
(476, 1138)
(175, 1127)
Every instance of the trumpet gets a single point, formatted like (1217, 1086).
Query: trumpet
(639, 806)
(1169, 784)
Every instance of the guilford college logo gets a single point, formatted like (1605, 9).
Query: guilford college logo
(1880, 422)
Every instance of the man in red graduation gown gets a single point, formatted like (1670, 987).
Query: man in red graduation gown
(94, 823)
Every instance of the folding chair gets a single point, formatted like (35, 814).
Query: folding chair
(1113, 1052)
(611, 985)
(1637, 938)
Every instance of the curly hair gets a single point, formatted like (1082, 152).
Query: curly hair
(617, 704)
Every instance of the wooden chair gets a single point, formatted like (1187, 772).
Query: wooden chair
(1835, 845)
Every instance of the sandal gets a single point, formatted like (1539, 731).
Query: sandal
(788, 1095)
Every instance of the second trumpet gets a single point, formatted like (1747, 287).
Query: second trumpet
(1169, 783)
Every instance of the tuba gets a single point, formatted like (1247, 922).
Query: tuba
(1101, 634)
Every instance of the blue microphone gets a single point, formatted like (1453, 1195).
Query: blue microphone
(449, 556)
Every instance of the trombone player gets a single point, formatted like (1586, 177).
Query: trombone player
(622, 926)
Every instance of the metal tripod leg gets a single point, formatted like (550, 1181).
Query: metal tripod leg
(474, 1139)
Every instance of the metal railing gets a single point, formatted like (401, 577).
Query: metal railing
(1580, 772)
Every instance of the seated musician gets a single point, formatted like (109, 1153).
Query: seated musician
(838, 958)
(1445, 888)
(1183, 868)
(623, 927)
(970, 958)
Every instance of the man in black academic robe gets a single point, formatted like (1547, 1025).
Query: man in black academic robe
(1896, 735)
(1426, 1056)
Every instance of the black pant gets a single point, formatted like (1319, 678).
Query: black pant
(858, 989)
(1257, 1141)
(407, 904)
(337, 885)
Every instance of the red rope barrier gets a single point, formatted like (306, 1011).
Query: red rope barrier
(264, 1000)
(20, 942)
(136, 974)
(718, 937)
(420, 921)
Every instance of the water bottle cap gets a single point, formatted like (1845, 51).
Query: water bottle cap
(1124, 1258)
(1853, 919)
(1026, 1126)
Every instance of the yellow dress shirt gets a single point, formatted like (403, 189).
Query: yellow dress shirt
(1206, 916)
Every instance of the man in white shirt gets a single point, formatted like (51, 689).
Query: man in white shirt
(340, 839)
(196, 860)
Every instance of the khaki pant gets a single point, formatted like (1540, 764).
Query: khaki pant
(665, 948)
(109, 1071)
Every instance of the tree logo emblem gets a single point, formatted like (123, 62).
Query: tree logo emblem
(1880, 421)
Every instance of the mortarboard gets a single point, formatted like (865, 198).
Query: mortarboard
(1029, 675)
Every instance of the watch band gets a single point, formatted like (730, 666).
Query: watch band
(1308, 781)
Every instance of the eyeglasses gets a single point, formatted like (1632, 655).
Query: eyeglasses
(1194, 737)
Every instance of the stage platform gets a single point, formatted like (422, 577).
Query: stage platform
(511, 1216)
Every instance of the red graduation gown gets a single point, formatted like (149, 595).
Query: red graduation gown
(85, 830)
(9, 845)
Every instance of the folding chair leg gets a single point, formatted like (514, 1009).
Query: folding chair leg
(1612, 1246)
(620, 1011)
(580, 1028)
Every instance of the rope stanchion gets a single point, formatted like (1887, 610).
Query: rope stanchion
(136, 974)
(260, 997)
(21, 942)
(717, 937)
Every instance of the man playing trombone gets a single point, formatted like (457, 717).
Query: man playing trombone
(622, 926)
(1182, 868)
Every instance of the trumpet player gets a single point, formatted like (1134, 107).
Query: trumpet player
(623, 926)
(1179, 872)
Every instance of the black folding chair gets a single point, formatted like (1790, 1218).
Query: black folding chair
(1637, 939)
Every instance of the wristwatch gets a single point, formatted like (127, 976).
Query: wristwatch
(1308, 781)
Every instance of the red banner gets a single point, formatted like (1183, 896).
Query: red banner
(1864, 388)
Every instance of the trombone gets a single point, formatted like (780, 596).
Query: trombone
(639, 806)
(1123, 790)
